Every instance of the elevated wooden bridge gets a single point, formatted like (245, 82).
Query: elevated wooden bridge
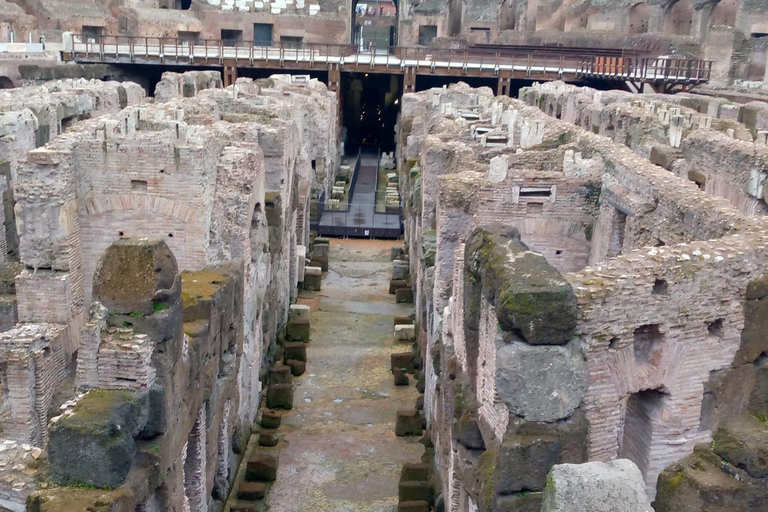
(542, 63)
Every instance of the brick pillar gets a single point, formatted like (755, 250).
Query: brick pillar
(230, 75)
(504, 83)
(409, 80)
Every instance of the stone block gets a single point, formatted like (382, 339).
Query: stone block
(400, 270)
(133, 274)
(743, 442)
(467, 433)
(404, 295)
(299, 314)
(280, 396)
(295, 350)
(402, 360)
(243, 508)
(414, 471)
(100, 437)
(297, 332)
(396, 284)
(532, 299)
(261, 467)
(754, 342)
(313, 277)
(280, 374)
(405, 333)
(726, 394)
(270, 419)
(396, 253)
(615, 486)
(401, 377)
(297, 367)
(413, 506)
(403, 320)
(269, 439)
(703, 482)
(529, 450)
(252, 491)
(420, 403)
(413, 490)
(540, 383)
(408, 423)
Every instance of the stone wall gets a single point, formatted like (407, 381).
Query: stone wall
(652, 386)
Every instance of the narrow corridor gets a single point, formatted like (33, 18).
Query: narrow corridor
(340, 452)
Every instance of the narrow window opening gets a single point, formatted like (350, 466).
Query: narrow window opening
(660, 287)
(716, 328)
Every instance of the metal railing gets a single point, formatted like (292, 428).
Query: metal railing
(647, 69)
(480, 61)
(360, 220)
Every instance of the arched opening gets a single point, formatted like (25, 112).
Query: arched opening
(374, 24)
(6, 83)
(679, 18)
(639, 17)
(186, 4)
(724, 13)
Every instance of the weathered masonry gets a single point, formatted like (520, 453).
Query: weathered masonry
(156, 252)
(577, 302)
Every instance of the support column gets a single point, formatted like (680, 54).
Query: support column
(505, 83)
(230, 75)
(409, 80)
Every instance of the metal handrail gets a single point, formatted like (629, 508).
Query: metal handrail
(208, 51)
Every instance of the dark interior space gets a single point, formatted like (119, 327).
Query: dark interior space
(371, 102)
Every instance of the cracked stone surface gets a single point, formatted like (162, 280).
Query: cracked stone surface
(342, 454)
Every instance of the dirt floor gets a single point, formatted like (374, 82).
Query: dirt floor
(340, 451)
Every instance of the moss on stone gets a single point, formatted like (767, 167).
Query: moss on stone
(200, 286)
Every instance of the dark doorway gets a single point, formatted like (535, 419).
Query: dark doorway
(231, 37)
(641, 412)
(371, 103)
(427, 34)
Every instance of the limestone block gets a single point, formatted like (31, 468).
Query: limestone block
(404, 295)
(313, 277)
(530, 449)
(280, 374)
(665, 156)
(297, 367)
(396, 284)
(414, 471)
(408, 423)
(270, 419)
(532, 299)
(99, 435)
(299, 314)
(400, 270)
(268, 439)
(726, 394)
(743, 442)
(261, 467)
(405, 333)
(133, 274)
(403, 320)
(615, 486)
(753, 339)
(414, 490)
(540, 383)
(280, 396)
(401, 377)
(251, 491)
(467, 433)
(413, 506)
(296, 350)
(402, 360)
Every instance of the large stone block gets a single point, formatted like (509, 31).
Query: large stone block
(532, 299)
(280, 396)
(405, 333)
(615, 486)
(529, 450)
(95, 445)
(726, 394)
(134, 274)
(754, 342)
(295, 350)
(280, 374)
(408, 423)
(743, 442)
(313, 278)
(396, 284)
(400, 270)
(404, 295)
(541, 383)
(252, 491)
(261, 467)
(402, 360)
(413, 490)
(413, 506)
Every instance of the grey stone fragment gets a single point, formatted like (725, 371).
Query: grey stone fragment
(615, 486)
(541, 383)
